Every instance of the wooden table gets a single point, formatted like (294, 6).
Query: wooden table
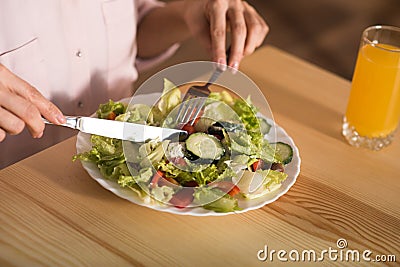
(53, 214)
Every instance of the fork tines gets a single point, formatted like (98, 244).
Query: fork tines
(192, 104)
(195, 99)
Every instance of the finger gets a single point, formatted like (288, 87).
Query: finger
(45, 107)
(217, 11)
(238, 31)
(2, 135)
(257, 29)
(16, 112)
(10, 123)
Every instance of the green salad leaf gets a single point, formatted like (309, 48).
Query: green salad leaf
(170, 98)
(258, 183)
(152, 152)
(163, 193)
(215, 199)
(200, 174)
(137, 113)
(110, 110)
(107, 154)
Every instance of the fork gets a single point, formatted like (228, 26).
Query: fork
(195, 98)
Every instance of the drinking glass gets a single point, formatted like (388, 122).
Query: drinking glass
(373, 110)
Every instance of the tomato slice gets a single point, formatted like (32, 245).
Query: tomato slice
(256, 165)
(111, 116)
(188, 128)
(227, 187)
(168, 181)
(197, 119)
(234, 191)
(156, 178)
(183, 198)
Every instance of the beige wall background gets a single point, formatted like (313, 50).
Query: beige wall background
(324, 32)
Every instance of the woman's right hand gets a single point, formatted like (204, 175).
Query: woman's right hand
(21, 105)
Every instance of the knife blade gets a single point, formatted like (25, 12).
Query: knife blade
(121, 130)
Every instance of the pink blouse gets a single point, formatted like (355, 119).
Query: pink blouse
(77, 53)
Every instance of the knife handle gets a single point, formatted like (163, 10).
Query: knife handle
(72, 122)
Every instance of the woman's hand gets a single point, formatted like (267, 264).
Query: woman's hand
(22, 105)
(210, 20)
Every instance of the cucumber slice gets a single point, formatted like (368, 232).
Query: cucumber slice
(284, 150)
(204, 146)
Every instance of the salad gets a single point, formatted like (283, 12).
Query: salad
(224, 158)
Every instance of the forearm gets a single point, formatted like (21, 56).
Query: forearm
(161, 28)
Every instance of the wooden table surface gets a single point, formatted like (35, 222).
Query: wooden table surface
(53, 214)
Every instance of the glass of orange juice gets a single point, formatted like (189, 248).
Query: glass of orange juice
(373, 110)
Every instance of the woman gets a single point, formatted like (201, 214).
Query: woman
(65, 57)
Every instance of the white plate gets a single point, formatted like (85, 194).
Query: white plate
(292, 169)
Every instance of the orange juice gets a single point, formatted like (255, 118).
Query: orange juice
(374, 103)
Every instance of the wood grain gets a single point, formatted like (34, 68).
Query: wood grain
(53, 214)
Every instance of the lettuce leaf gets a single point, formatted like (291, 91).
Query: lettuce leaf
(220, 111)
(256, 184)
(110, 109)
(137, 113)
(247, 113)
(215, 199)
(199, 173)
(163, 194)
(152, 152)
(103, 149)
(223, 96)
(170, 98)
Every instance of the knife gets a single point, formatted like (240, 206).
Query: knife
(121, 130)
